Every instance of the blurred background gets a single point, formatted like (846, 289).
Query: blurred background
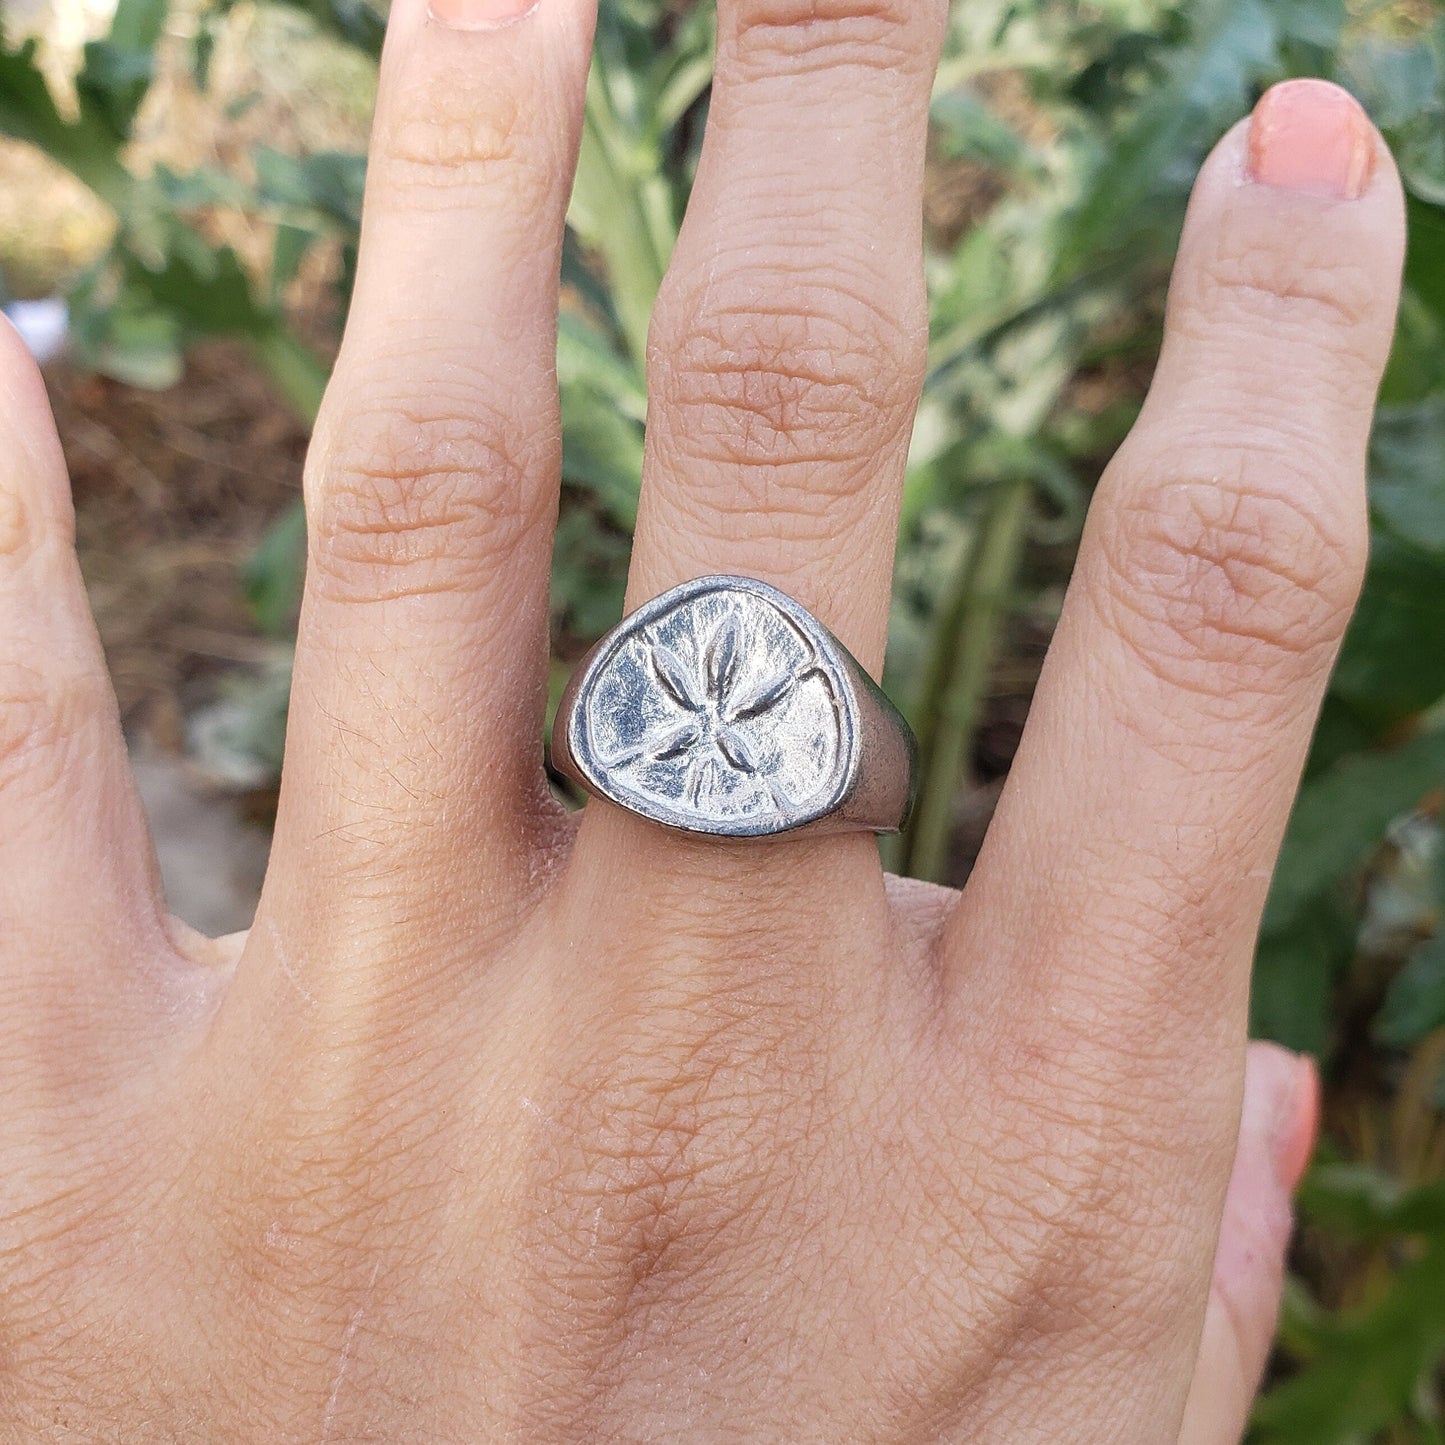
(180, 187)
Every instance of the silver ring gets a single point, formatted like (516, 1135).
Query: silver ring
(723, 707)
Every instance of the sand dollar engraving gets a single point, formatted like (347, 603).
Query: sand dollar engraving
(720, 706)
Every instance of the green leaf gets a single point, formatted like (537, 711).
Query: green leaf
(683, 71)
(1393, 661)
(1420, 152)
(203, 50)
(966, 128)
(1316, 23)
(298, 373)
(1341, 817)
(589, 572)
(143, 351)
(623, 204)
(27, 109)
(86, 146)
(1232, 43)
(601, 452)
(585, 357)
(1415, 1003)
(274, 574)
(1416, 368)
(1411, 104)
(1294, 977)
(1340, 732)
(1425, 253)
(1366, 1203)
(118, 330)
(204, 186)
(1395, 81)
(329, 184)
(207, 289)
(118, 70)
(137, 25)
(115, 81)
(581, 276)
(1407, 472)
(1369, 1367)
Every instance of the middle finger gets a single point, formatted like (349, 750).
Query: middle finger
(790, 336)
(788, 347)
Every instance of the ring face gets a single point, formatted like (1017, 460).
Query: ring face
(720, 707)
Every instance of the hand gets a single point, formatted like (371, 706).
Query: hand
(501, 1128)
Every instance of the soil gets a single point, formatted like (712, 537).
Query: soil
(173, 491)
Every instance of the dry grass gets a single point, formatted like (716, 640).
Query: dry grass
(173, 490)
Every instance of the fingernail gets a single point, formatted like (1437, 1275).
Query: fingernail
(479, 14)
(1298, 1126)
(1281, 1110)
(1311, 136)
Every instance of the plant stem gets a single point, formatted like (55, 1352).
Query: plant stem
(966, 642)
(299, 374)
(627, 215)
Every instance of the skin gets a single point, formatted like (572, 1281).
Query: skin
(505, 1125)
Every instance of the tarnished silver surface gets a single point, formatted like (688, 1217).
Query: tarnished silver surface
(724, 707)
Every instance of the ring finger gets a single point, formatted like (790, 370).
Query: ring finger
(787, 353)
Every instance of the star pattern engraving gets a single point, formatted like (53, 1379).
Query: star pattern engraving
(709, 701)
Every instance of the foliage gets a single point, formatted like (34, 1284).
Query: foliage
(1073, 134)
(161, 284)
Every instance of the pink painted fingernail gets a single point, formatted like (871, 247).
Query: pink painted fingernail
(1311, 136)
(480, 14)
(1298, 1125)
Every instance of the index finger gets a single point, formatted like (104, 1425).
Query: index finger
(1101, 953)
(1222, 559)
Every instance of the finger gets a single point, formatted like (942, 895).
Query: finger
(1276, 1135)
(1107, 931)
(788, 343)
(80, 912)
(414, 768)
(1223, 553)
(787, 352)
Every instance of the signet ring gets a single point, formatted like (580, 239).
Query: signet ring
(724, 707)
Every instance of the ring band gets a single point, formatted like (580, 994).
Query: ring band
(723, 707)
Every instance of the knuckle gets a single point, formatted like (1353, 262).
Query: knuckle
(648, 1179)
(877, 34)
(1087, 1200)
(444, 134)
(39, 717)
(1301, 285)
(787, 405)
(1227, 584)
(16, 533)
(644, 1150)
(24, 530)
(410, 499)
